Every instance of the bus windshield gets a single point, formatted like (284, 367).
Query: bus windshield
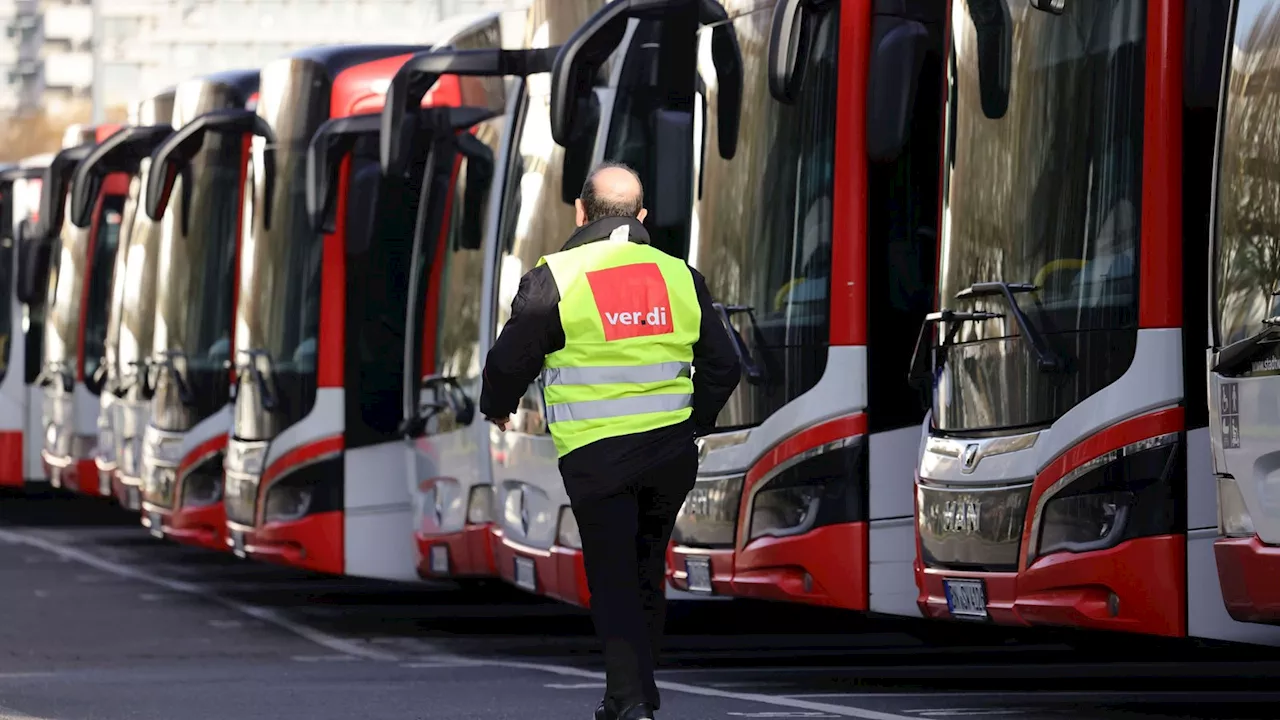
(196, 293)
(278, 308)
(137, 309)
(1247, 269)
(761, 233)
(1043, 187)
(70, 257)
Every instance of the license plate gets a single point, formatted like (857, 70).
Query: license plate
(698, 570)
(157, 525)
(132, 498)
(439, 559)
(966, 598)
(526, 576)
(237, 543)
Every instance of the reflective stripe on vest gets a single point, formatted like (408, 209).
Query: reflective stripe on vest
(619, 407)
(639, 374)
(631, 316)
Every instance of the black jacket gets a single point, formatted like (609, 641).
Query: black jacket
(534, 331)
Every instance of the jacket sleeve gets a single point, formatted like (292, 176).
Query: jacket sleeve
(532, 333)
(716, 370)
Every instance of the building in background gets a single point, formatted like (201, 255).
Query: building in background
(47, 58)
(21, 71)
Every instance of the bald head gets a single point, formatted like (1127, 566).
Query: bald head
(611, 190)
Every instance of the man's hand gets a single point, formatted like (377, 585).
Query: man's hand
(501, 422)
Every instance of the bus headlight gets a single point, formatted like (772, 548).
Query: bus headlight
(480, 505)
(825, 485)
(1079, 523)
(568, 535)
(1121, 495)
(201, 488)
(784, 511)
(1234, 519)
(287, 502)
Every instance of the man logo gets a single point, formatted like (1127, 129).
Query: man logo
(970, 458)
(524, 516)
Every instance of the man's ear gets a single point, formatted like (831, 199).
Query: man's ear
(580, 212)
(644, 212)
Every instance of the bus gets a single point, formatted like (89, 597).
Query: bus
(1065, 474)
(116, 380)
(189, 383)
(1244, 282)
(78, 267)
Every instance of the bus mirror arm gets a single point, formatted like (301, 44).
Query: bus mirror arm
(54, 187)
(330, 144)
(175, 153)
(578, 62)
(418, 76)
(752, 371)
(124, 151)
(921, 378)
(1233, 358)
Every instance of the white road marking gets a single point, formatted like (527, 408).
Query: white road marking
(358, 649)
(970, 712)
(324, 658)
(23, 675)
(266, 615)
(576, 686)
(432, 664)
(781, 714)
(795, 703)
(225, 624)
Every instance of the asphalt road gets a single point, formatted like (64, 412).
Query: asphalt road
(102, 622)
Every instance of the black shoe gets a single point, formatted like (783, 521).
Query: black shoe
(642, 711)
(602, 713)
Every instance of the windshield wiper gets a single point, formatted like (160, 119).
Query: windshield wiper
(1046, 358)
(60, 369)
(268, 397)
(168, 361)
(1234, 356)
(753, 371)
(918, 379)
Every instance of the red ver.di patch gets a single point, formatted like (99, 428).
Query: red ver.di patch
(632, 301)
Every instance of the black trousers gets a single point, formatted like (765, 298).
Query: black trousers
(625, 531)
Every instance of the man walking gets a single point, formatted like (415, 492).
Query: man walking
(614, 327)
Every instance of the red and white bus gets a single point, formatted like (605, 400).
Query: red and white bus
(21, 406)
(818, 239)
(315, 465)
(1244, 281)
(78, 269)
(188, 382)
(448, 320)
(128, 332)
(1065, 475)
(618, 88)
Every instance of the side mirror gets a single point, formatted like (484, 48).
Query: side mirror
(331, 143)
(53, 190)
(579, 61)
(174, 155)
(1202, 53)
(417, 76)
(480, 171)
(898, 50)
(994, 27)
(34, 254)
(122, 152)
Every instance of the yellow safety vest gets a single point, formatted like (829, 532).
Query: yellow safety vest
(631, 316)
